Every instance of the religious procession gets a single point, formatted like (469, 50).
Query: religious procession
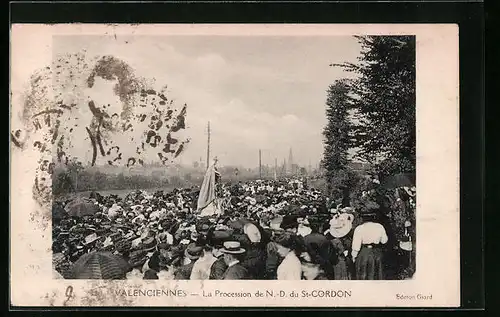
(273, 229)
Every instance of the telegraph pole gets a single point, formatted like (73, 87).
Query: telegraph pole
(208, 145)
(260, 164)
(275, 168)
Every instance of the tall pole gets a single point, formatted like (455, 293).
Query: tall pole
(208, 145)
(275, 168)
(76, 181)
(260, 164)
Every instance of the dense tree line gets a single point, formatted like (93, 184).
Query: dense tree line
(339, 175)
(373, 113)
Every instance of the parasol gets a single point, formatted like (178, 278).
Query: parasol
(81, 207)
(100, 265)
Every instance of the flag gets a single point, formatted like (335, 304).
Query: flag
(207, 200)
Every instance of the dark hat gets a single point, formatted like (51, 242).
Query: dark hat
(123, 245)
(367, 207)
(218, 237)
(193, 252)
(150, 275)
(101, 231)
(115, 236)
(288, 240)
(177, 251)
(108, 248)
(148, 244)
(122, 227)
(77, 230)
(289, 221)
(203, 227)
(319, 250)
(62, 235)
(163, 245)
(164, 261)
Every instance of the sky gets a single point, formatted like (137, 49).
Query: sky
(258, 92)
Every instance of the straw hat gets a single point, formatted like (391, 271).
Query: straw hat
(232, 247)
(90, 238)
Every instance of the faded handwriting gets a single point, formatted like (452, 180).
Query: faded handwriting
(61, 121)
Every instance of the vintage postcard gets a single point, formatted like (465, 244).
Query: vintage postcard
(234, 165)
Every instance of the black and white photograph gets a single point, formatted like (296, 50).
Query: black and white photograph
(226, 157)
(152, 163)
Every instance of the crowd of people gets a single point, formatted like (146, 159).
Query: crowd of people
(272, 229)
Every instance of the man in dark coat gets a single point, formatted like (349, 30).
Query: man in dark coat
(192, 252)
(325, 250)
(218, 269)
(216, 240)
(235, 271)
(254, 259)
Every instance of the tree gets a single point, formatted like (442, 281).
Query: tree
(74, 169)
(101, 180)
(120, 181)
(384, 102)
(61, 183)
(303, 171)
(336, 139)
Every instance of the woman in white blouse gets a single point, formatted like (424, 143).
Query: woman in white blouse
(367, 242)
(288, 247)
